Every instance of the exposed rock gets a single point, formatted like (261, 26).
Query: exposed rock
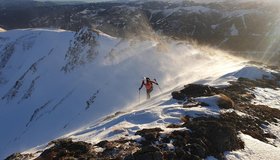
(119, 149)
(149, 135)
(239, 92)
(258, 115)
(197, 150)
(18, 156)
(173, 126)
(225, 102)
(148, 153)
(82, 49)
(185, 119)
(91, 100)
(212, 136)
(67, 149)
(262, 112)
(178, 95)
(194, 90)
(169, 155)
(207, 136)
(247, 125)
(6, 54)
(103, 144)
(180, 138)
(19, 84)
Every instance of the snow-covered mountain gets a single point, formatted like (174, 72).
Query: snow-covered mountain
(248, 28)
(55, 81)
(64, 84)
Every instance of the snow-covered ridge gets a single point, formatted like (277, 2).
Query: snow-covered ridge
(41, 101)
(162, 110)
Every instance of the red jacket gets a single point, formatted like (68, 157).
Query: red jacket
(148, 84)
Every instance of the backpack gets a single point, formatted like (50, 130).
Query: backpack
(148, 84)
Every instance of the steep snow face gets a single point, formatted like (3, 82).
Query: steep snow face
(55, 81)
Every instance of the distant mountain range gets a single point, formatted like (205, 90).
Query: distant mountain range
(12, 4)
(245, 28)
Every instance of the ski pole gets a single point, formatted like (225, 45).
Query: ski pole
(139, 96)
(158, 85)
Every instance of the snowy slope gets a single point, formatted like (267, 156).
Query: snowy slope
(162, 111)
(55, 81)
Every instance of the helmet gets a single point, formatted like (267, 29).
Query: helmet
(146, 78)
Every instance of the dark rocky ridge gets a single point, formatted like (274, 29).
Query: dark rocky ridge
(245, 29)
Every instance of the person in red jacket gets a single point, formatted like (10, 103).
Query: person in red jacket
(148, 85)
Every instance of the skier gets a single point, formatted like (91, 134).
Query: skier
(149, 86)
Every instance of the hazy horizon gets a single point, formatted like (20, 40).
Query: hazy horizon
(199, 1)
(75, 0)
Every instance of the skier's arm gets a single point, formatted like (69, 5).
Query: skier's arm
(141, 85)
(154, 82)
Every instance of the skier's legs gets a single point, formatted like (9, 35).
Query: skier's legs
(149, 93)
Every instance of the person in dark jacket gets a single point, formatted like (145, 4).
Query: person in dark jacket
(148, 85)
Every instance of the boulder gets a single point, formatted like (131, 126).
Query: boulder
(198, 90)
(67, 149)
(225, 102)
(148, 153)
(150, 135)
(194, 90)
(178, 95)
